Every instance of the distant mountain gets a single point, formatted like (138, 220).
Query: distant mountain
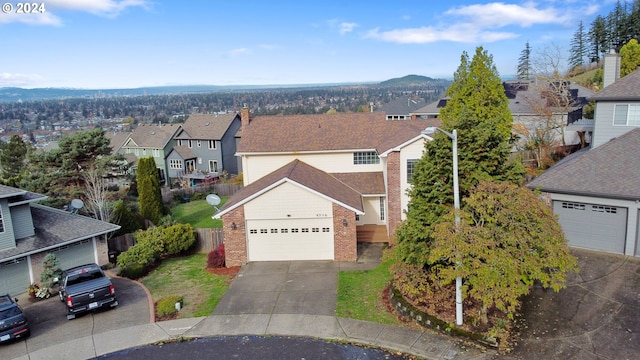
(411, 81)
(15, 94)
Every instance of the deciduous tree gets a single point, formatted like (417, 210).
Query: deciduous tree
(507, 240)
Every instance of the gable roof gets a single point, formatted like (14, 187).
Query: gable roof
(403, 105)
(184, 152)
(300, 174)
(626, 88)
(326, 132)
(152, 135)
(54, 228)
(206, 126)
(117, 139)
(18, 196)
(366, 183)
(609, 170)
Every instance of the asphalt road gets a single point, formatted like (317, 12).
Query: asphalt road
(255, 347)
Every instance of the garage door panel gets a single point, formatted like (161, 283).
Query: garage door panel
(592, 226)
(14, 277)
(76, 254)
(282, 240)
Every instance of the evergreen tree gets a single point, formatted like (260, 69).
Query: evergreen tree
(598, 38)
(123, 216)
(617, 26)
(478, 110)
(12, 160)
(629, 57)
(149, 194)
(578, 50)
(524, 63)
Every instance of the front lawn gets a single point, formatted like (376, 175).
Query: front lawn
(197, 213)
(188, 276)
(360, 294)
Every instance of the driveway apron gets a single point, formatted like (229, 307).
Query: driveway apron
(282, 287)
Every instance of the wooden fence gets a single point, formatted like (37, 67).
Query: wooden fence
(207, 239)
(218, 188)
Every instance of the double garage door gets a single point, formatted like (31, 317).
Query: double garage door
(14, 275)
(290, 239)
(591, 226)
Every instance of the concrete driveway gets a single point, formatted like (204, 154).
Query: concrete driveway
(49, 324)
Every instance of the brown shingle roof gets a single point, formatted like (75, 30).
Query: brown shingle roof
(366, 183)
(117, 139)
(305, 175)
(626, 88)
(206, 126)
(153, 136)
(184, 152)
(609, 170)
(326, 132)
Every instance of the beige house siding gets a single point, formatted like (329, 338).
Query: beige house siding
(257, 166)
(288, 201)
(371, 212)
(414, 150)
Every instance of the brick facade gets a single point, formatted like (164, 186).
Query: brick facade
(345, 245)
(235, 240)
(394, 194)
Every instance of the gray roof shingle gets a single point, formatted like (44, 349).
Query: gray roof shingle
(206, 126)
(626, 88)
(153, 136)
(610, 170)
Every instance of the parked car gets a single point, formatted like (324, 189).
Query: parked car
(13, 322)
(86, 288)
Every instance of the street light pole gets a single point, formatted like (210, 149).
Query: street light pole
(456, 205)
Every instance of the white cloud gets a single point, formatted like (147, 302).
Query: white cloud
(106, 8)
(10, 80)
(486, 22)
(347, 27)
(239, 51)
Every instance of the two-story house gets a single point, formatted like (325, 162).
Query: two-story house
(315, 185)
(205, 147)
(596, 192)
(152, 140)
(29, 231)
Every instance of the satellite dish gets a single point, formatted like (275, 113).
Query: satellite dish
(213, 199)
(76, 204)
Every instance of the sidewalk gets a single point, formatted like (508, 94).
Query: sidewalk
(421, 343)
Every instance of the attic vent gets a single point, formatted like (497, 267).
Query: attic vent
(153, 132)
(207, 123)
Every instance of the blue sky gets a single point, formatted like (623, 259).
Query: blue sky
(135, 43)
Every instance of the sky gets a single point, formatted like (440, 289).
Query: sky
(112, 44)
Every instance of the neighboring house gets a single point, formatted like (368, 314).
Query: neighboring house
(205, 147)
(596, 192)
(315, 185)
(531, 110)
(29, 231)
(152, 140)
(402, 107)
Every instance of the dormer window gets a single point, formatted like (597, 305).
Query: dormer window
(365, 157)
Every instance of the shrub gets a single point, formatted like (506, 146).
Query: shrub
(198, 196)
(167, 305)
(178, 239)
(215, 258)
(50, 270)
(134, 271)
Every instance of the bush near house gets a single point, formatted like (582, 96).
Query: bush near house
(153, 244)
(216, 257)
(167, 305)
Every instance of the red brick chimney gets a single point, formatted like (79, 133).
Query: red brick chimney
(245, 117)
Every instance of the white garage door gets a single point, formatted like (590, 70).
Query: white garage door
(14, 277)
(296, 239)
(591, 226)
(76, 254)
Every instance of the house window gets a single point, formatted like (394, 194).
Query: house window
(574, 206)
(294, 230)
(410, 165)
(179, 142)
(305, 230)
(263, 231)
(213, 166)
(253, 231)
(357, 217)
(604, 209)
(212, 144)
(315, 229)
(381, 208)
(626, 115)
(274, 231)
(284, 231)
(365, 157)
(326, 230)
(144, 152)
(175, 164)
(1, 222)
(198, 143)
(156, 152)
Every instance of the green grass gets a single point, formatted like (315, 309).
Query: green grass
(360, 294)
(197, 213)
(187, 276)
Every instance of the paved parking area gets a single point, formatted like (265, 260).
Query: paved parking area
(49, 324)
